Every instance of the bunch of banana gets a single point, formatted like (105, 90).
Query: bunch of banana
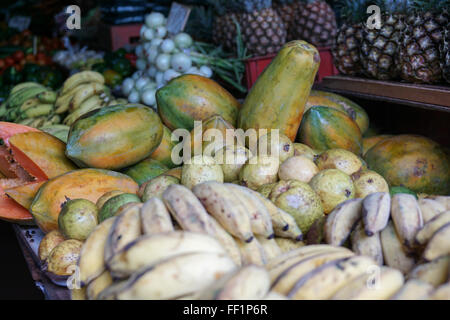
(82, 92)
(398, 232)
(31, 104)
(182, 232)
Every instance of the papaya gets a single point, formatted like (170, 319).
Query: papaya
(354, 110)
(145, 170)
(326, 128)
(190, 98)
(114, 137)
(89, 184)
(175, 172)
(163, 153)
(278, 98)
(28, 157)
(412, 161)
(372, 141)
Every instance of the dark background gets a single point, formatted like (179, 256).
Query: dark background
(15, 278)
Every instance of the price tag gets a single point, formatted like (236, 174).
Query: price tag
(19, 22)
(178, 17)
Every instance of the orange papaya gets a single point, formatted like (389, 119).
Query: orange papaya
(89, 184)
(190, 98)
(163, 153)
(412, 161)
(114, 137)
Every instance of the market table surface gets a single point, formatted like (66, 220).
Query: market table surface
(16, 280)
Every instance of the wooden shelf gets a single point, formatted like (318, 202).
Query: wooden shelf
(415, 95)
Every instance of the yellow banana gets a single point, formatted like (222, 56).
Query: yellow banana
(252, 252)
(82, 77)
(155, 218)
(393, 252)
(365, 245)
(99, 284)
(376, 210)
(414, 289)
(85, 92)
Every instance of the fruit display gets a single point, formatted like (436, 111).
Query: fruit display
(183, 190)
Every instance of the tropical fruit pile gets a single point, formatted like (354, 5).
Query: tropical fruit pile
(310, 211)
(411, 31)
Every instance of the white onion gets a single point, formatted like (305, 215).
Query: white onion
(148, 97)
(141, 64)
(154, 19)
(142, 82)
(159, 78)
(181, 62)
(156, 42)
(151, 72)
(133, 97)
(149, 86)
(161, 32)
(167, 46)
(183, 40)
(149, 34)
(170, 74)
(194, 70)
(163, 62)
(137, 75)
(141, 32)
(207, 72)
(152, 54)
(127, 86)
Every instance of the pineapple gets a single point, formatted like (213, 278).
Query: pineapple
(346, 50)
(286, 10)
(263, 31)
(446, 54)
(379, 47)
(314, 22)
(423, 41)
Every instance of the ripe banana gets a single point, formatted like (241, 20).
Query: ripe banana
(252, 252)
(414, 289)
(278, 216)
(429, 228)
(376, 210)
(260, 219)
(97, 285)
(155, 218)
(443, 200)
(91, 261)
(62, 102)
(430, 208)
(226, 240)
(379, 286)
(80, 78)
(83, 93)
(176, 277)
(225, 208)
(126, 228)
(304, 251)
(151, 249)
(187, 210)
(288, 244)
(270, 246)
(110, 292)
(365, 245)
(246, 283)
(341, 221)
(441, 293)
(407, 217)
(292, 231)
(393, 253)
(78, 294)
(323, 282)
(439, 244)
(272, 295)
(283, 282)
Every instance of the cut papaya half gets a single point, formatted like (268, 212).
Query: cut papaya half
(28, 158)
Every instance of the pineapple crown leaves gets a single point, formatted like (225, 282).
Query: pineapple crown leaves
(353, 11)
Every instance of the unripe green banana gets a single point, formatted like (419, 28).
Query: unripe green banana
(39, 110)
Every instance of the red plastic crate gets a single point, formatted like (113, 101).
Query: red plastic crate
(115, 37)
(255, 66)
